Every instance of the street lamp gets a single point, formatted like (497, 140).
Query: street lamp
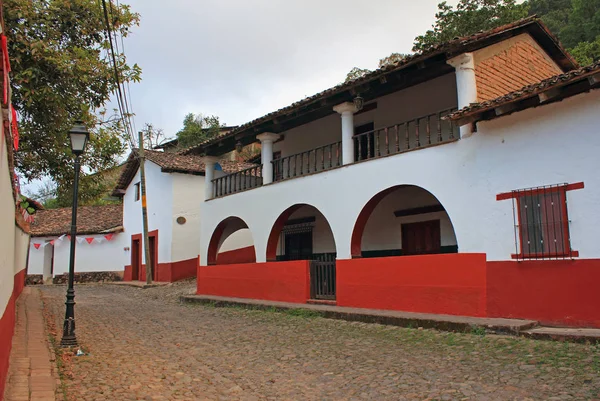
(78, 136)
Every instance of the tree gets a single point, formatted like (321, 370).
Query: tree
(581, 35)
(554, 13)
(356, 73)
(196, 129)
(61, 73)
(393, 58)
(469, 17)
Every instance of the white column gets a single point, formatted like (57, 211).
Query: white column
(266, 155)
(209, 174)
(347, 111)
(466, 85)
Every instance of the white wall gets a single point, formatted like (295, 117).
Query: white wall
(239, 239)
(552, 144)
(7, 229)
(95, 257)
(159, 195)
(188, 194)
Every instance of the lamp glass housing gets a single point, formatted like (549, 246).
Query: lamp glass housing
(79, 136)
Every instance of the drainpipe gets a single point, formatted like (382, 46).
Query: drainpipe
(347, 111)
(466, 85)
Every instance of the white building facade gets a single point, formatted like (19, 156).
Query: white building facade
(369, 196)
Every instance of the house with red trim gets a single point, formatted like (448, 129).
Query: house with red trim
(101, 252)
(174, 190)
(461, 180)
(14, 218)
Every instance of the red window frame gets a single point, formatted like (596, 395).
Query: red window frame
(517, 197)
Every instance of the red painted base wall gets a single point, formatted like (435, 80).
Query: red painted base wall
(273, 281)
(561, 292)
(168, 272)
(453, 284)
(241, 255)
(7, 328)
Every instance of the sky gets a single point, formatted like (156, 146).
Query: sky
(242, 59)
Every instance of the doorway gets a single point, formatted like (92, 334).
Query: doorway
(48, 270)
(135, 260)
(364, 145)
(152, 246)
(421, 238)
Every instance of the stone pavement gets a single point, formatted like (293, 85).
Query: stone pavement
(145, 345)
(32, 372)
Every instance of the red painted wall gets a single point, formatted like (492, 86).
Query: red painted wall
(168, 272)
(453, 284)
(556, 292)
(241, 255)
(273, 281)
(7, 328)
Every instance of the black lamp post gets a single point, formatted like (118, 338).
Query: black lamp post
(79, 136)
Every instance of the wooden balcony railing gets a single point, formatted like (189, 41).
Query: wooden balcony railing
(308, 162)
(413, 134)
(237, 182)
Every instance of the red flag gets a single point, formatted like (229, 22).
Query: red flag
(69, 237)
(37, 246)
(89, 240)
(52, 242)
(15, 128)
(5, 53)
(108, 237)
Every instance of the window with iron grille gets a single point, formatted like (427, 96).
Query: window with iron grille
(542, 222)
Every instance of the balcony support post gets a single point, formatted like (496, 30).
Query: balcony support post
(266, 155)
(466, 85)
(347, 111)
(209, 175)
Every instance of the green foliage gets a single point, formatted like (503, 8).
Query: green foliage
(587, 52)
(469, 17)
(197, 128)
(554, 13)
(392, 59)
(24, 204)
(61, 73)
(356, 73)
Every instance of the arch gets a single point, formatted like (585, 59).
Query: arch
(280, 223)
(434, 205)
(223, 230)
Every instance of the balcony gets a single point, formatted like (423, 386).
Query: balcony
(417, 133)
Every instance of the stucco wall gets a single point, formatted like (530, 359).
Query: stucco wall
(95, 257)
(188, 194)
(159, 194)
(21, 246)
(7, 230)
(552, 144)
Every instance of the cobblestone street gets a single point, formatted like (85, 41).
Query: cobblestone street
(145, 345)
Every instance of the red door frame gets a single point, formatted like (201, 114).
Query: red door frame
(141, 272)
(136, 256)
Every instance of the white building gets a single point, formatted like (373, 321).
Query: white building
(101, 247)
(368, 196)
(174, 190)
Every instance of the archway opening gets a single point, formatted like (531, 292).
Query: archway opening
(230, 243)
(403, 220)
(301, 232)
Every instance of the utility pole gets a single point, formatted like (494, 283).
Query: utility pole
(142, 158)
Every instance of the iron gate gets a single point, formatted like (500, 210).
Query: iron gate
(322, 279)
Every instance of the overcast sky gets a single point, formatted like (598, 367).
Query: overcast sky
(241, 59)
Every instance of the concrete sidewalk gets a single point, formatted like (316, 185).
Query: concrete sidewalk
(526, 328)
(32, 374)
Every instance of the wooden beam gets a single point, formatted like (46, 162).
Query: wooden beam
(549, 94)
(594, 79)
(506, 108)
(419, 210)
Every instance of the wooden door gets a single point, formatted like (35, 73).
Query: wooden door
(421, 238)
(135, 259)
(152, 246)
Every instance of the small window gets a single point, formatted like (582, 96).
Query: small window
(541, 222)
(137, 192)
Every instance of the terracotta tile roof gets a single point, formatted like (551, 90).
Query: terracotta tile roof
(90, 220)
(512, 68)
(529, 91)
(171, 162)
(453, 47)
